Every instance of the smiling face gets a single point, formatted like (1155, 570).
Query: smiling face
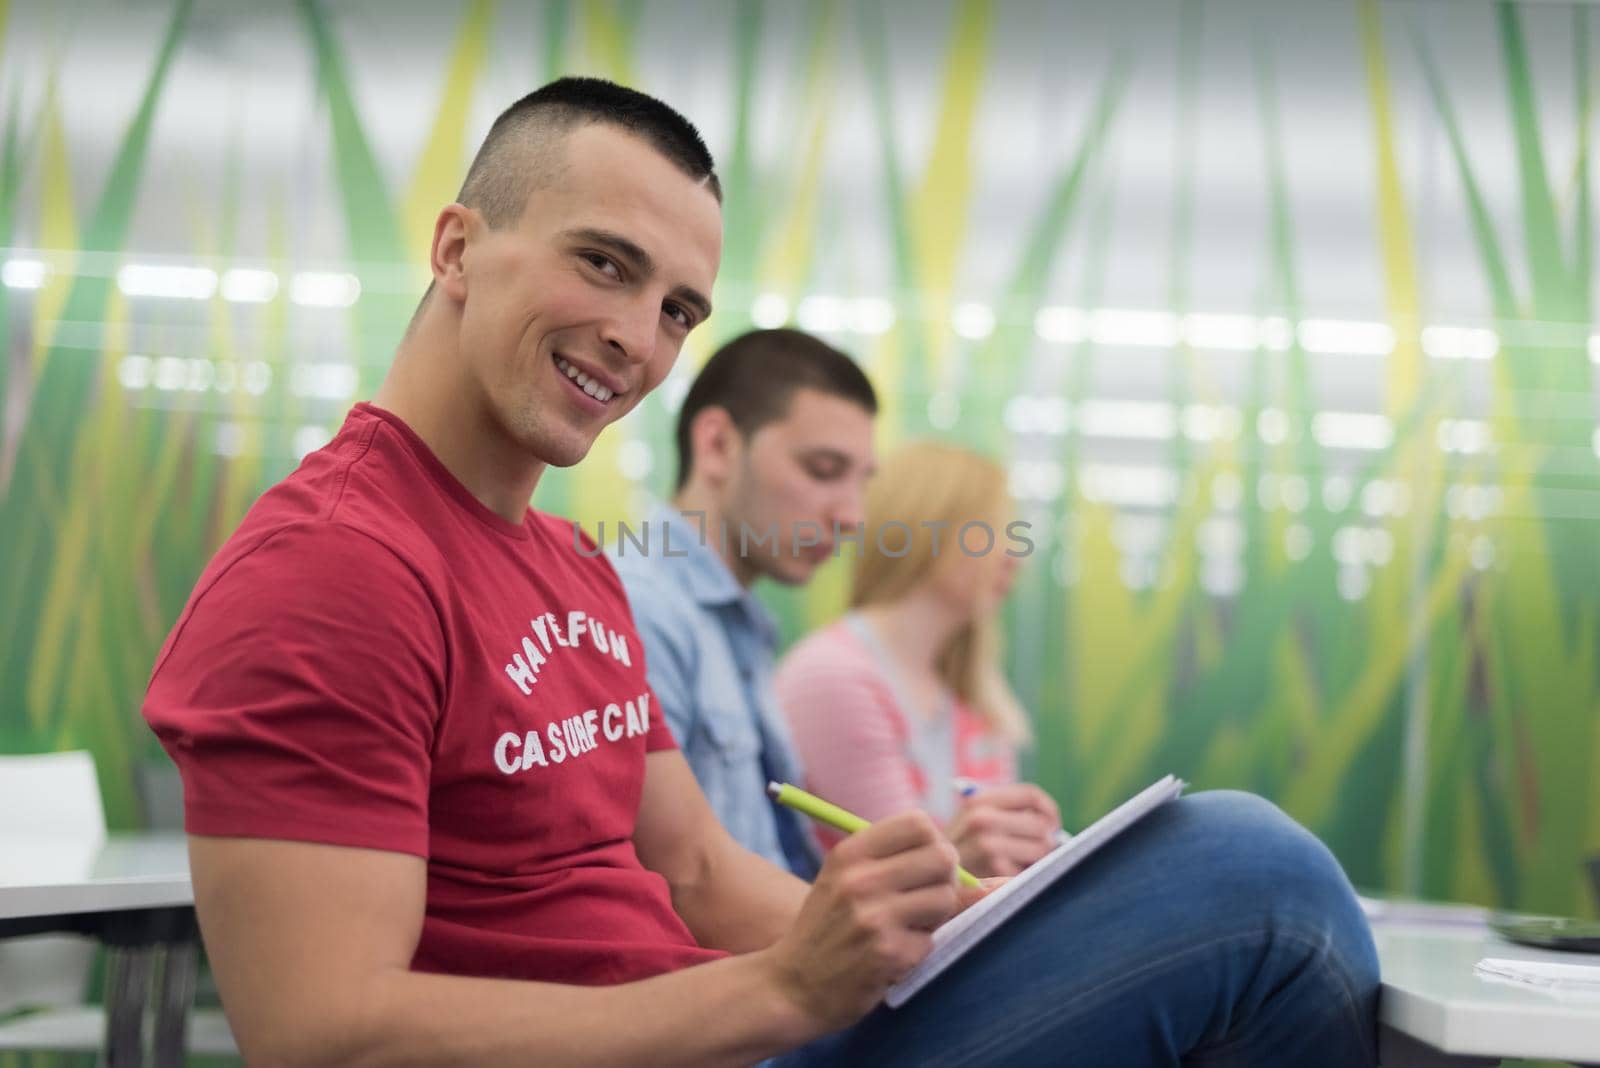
(572, 315)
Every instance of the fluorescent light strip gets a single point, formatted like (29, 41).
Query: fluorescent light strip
(1037, 415)
(1222, 333)
(1352, 430)
(1037, 480)
(769, 311)
(1136, 420)
(1346, 337)
(1136, 328)
(1460, 343)
(244, 286)
(324, 289)
(870, 315)
(821, 314)
(23, 274)
(1130, 485)
(173, 283)
(1063, 326)
(972, 321)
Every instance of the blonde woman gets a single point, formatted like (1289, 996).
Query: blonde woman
(902, 703)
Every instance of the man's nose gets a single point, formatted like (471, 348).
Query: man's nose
(632, 330)
(850, 509)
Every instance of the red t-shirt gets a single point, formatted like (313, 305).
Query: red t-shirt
(376, 659)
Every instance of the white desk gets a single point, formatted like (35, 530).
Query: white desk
(1436, 1012)
(42, 876)
(133, 893)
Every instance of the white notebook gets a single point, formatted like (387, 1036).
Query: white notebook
(966, 929)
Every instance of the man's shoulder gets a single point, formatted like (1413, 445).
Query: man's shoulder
(653, 586)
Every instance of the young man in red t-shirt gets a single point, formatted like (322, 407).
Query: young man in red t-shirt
(434, 814)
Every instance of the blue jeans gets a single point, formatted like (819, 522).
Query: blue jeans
(1215, 932)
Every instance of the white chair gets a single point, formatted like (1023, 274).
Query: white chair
(57, 796)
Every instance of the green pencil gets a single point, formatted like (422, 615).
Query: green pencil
(834, 816)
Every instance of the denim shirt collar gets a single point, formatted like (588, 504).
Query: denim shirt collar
(696, 567)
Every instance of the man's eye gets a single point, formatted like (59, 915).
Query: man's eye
(602, 263)
(679, 314)
(823, 472)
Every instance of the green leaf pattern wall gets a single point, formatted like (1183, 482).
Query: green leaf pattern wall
(1279, 313)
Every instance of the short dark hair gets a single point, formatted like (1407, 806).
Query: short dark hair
(754, 378)
(507, 166)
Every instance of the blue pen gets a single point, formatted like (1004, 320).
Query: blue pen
(965, 787)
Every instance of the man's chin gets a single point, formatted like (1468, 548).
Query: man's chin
(566, 453)
(793, 572)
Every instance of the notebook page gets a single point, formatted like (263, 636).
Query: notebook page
(966, 929)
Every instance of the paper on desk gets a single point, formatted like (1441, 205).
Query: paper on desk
(1582, 979)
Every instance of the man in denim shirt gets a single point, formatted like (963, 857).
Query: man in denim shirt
(774, 445)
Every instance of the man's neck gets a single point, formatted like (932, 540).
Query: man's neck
(698, 501)
(448, 416)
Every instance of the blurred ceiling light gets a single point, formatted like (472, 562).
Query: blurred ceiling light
(1352, 430)
(1276, 334)
(972, 321)
(1468, 436)
(821, 314)
(309, 438)
(1346, 337)
(1139, 420)
(23, 274)
(1037, 415)
(1298, 541)
(327, 381)
(1059, 324)
(1129, 485)
(1133, 327)
(1272, 426)
(324, 289)
(177, 283)
(1460, 343)
(769, 311)
(1207, 422)
(1036, 480)
(257, 378)
(871, 315)
(635, 459)
(1223, 333)
(244, 286)
(133, 371)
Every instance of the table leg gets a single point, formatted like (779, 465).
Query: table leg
(126, 994)
(1399, 1050)
(174, 997)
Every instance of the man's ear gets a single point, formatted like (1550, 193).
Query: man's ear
(715, 445)
(447, 258)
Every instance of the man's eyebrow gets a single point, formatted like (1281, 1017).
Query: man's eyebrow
(823, 452)
(641, 261)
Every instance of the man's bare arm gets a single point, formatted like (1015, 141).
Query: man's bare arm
(730, 898)
(312, 946)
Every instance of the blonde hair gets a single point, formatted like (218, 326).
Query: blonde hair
(920, 485)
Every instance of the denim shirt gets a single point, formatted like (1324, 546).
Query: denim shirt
(709, 646)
